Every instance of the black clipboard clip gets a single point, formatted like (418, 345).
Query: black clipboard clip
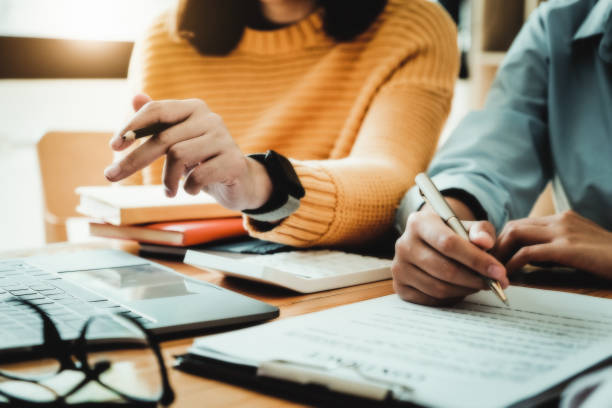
(371, 382)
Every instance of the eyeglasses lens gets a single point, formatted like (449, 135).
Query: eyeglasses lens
(16, 377)
(132, 372)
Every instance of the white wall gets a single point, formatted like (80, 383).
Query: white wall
(79, 19)
(28, 109)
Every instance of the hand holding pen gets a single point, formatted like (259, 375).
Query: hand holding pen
(434, 265)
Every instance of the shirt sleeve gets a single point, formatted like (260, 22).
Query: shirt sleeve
(500, 155)
(353, 200)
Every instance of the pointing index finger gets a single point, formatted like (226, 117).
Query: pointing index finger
(141, 157)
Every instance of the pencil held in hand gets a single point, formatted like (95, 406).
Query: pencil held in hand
(154, 129)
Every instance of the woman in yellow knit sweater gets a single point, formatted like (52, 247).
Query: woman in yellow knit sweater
(353, 93)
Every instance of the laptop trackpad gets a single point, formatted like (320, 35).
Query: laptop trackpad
(131, 283)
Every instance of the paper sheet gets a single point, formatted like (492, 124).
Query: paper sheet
(477, 354)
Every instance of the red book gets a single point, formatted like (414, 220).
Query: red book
(176, 233)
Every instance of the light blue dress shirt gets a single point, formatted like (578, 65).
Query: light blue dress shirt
(547, 117)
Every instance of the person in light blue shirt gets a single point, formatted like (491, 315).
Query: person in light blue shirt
(548, 117)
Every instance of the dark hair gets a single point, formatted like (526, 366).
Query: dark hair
(215, 26)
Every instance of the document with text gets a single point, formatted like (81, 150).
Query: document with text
(476, 354)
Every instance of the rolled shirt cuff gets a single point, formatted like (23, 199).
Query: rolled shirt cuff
(411, 202)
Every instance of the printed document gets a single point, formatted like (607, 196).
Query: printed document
(476, 354)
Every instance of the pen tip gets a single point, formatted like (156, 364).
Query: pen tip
(497, 289)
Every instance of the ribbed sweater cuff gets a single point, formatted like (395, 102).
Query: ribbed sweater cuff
(314, 217)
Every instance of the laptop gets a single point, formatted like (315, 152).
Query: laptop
(70, 287)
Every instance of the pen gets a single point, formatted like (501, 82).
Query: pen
(146, 131)
(441, 207)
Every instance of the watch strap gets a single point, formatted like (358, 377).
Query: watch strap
(286, 189)
(284, 211)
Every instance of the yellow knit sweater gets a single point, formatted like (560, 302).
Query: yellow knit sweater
(358, 120)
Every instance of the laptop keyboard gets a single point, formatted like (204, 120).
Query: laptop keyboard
(67, 305)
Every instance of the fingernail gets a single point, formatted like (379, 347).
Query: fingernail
(168, 192)
(496, 271)
(111, 171)
(482, 234)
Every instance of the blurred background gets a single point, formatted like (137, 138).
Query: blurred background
(63, 65)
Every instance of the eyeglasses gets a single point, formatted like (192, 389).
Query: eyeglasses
(80, 373)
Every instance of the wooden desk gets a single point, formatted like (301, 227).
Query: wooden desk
(194, 391)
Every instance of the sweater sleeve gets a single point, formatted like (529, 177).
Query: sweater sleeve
(353, 200)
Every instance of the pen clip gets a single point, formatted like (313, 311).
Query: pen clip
(424, 197)
(433, 197)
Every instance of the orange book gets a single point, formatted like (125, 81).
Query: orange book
(177, 233)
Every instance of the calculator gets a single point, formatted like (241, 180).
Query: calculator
(303, 271)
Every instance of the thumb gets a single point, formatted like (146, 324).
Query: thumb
(482, 233)
(140, 100)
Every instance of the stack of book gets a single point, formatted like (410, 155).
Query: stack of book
(161, 224)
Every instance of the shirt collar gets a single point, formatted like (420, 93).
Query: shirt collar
(595, 23)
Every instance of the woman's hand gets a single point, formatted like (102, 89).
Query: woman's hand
(199, 147)
(567, 239)
(435, 266)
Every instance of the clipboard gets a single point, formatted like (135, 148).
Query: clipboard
(270, 383)
(318, 393)
(326, 358)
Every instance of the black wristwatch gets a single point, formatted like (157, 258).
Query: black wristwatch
(286, 188)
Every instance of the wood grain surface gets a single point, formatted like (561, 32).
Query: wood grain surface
(194, 391)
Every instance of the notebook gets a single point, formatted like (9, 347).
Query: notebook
(304, 271)
(389, 352)
(124, 205)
